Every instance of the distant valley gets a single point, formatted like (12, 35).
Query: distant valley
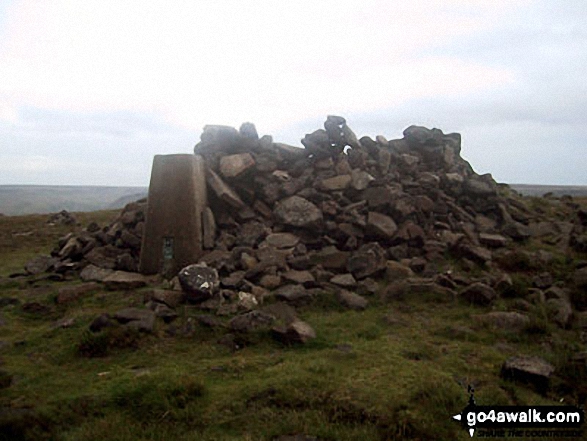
(29, 199)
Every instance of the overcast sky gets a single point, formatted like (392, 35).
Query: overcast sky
(91, 90)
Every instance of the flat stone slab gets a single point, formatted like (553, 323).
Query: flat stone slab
(351, 300)
(93, 273)
(282, 240)
(232, 166)
(532, 370)
(125, 281)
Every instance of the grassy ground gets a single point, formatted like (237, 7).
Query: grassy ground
(398, 370)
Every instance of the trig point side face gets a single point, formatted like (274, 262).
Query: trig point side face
(173, 229)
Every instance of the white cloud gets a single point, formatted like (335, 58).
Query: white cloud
(229, 61)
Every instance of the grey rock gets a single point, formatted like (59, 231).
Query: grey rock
(301, 277)
(381, 225)
(282, 240)
(351, 300)
(360, 179)
(492, 240)
(198, 281)
(532, 370)
(40, 264)
(293, 294)
(122, 280)
(336, 183)
(223, 190)
(166, 296)
(344, 280)
(367, 260)
(251, 321)
(397, 271)
(232, 166)
(478, 294)
(559, 311)
(298, 212)
(295, 332)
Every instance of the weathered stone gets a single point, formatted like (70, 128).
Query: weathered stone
(208, 228)
(302, 277)
(164, 312)
(559, 311)
(504, 321)
(40, 264)
(248, 130)
(580, 277)
(141, 319)
(198, 281)
(295, 332)
(298, 212)
(223, 191)
(533, 370)
(479, 294)
(330, 258)
(344, 280)
(351, 300)
(367, 260)
(251, 321)
(397, 271)
(293, 294)
(121, 280)
(381, 225)
(492, 240)
(246, 301)
(360, 179)
(516, 231)
(232, 166)
(420, 136)
(336, 183)
(418, 288)
(92, 273)
(166, 296)
(269, 281)
(478, 188)
(478, 255)
(282, 240)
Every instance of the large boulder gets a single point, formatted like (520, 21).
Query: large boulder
(40, 264)
(198, 281)
(381, 225)
(532, 370)
(479, 294)
(298, 212)
(124, 281)
(367, 260)
(297, 331)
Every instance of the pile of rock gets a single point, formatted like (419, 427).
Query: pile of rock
(114, 247)
(293, 222)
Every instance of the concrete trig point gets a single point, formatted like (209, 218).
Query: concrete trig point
(173, 229)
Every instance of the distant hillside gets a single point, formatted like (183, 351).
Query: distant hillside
(556, 190)
(29, 199)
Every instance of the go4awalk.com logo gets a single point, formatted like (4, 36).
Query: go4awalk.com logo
(521, 421)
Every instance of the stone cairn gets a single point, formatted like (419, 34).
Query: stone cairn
(293, 223)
